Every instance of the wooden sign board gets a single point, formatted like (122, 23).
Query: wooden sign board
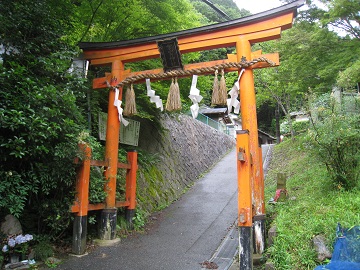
(128, 134)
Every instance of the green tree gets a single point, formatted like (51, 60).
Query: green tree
(40, 113)
(343, 17)
(343, 14)
(350, 77)
(106, 20)
(335, 139)
(310, 59)
(212, 16)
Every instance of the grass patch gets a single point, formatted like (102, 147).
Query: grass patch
(313, 206)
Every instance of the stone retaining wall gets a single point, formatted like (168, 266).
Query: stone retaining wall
(186, 148)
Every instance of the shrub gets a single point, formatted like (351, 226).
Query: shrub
(313, 208)
(335, 138)
(300, 126)
(43, 249)
(40, 116)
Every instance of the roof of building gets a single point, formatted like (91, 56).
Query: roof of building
(213, 110)
(266, 134)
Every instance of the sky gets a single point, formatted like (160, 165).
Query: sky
(256, 6)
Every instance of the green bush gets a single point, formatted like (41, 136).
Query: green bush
(39, 126)
(43, 249)
(300, 126)
(41, 115)
(335, 139)
(313, 207)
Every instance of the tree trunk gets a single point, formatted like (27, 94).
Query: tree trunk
(277, 124)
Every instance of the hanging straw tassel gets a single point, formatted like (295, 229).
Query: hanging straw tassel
(177, 93)
(130, 105)
(222, 90)
(173, 102)
(215, 93)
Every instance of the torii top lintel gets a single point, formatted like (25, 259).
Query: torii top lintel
(260, 27)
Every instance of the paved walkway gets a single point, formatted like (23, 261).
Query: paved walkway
(194, 229)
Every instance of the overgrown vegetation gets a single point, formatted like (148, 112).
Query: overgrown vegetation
(313, 207)
(41, 117)
(323, 186)
(335, 139)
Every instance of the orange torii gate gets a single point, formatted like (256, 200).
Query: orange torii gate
(241, 33)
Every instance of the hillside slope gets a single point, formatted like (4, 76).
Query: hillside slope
(314, 207)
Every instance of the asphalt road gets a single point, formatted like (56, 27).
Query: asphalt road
(182, 236)
(197, 228)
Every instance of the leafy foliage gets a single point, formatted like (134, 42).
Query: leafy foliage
(212, 16)
(311, 59)
(40, 114)
(343, 14)
(105, 20)
(335, 138)
(317, 206)
(350, 77)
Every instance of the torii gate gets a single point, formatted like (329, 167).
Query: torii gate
(241, 33)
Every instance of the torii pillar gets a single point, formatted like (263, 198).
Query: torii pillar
(108, 216)
(251, 205)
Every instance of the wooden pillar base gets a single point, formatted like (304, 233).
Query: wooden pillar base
(129, 215)
(245, 248)
(79, 235)
(107, 224)
(259, 234)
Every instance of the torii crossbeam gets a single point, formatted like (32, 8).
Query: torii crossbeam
(240, 33)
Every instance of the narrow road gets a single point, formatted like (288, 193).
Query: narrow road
(197, 228)
(266, 156)
(182, 236)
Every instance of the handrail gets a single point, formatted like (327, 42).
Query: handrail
(212, 123)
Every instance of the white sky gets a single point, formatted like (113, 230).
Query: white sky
(256, 6)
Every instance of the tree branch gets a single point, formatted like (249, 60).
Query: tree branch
(92, 19)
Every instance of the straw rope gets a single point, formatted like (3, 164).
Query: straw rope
(222, 90)
(130, 104)
(197, 71)
(215, 93)
(173, 102)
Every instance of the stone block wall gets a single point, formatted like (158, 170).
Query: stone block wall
(186, 148)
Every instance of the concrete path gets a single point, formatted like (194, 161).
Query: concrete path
(189, 232)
